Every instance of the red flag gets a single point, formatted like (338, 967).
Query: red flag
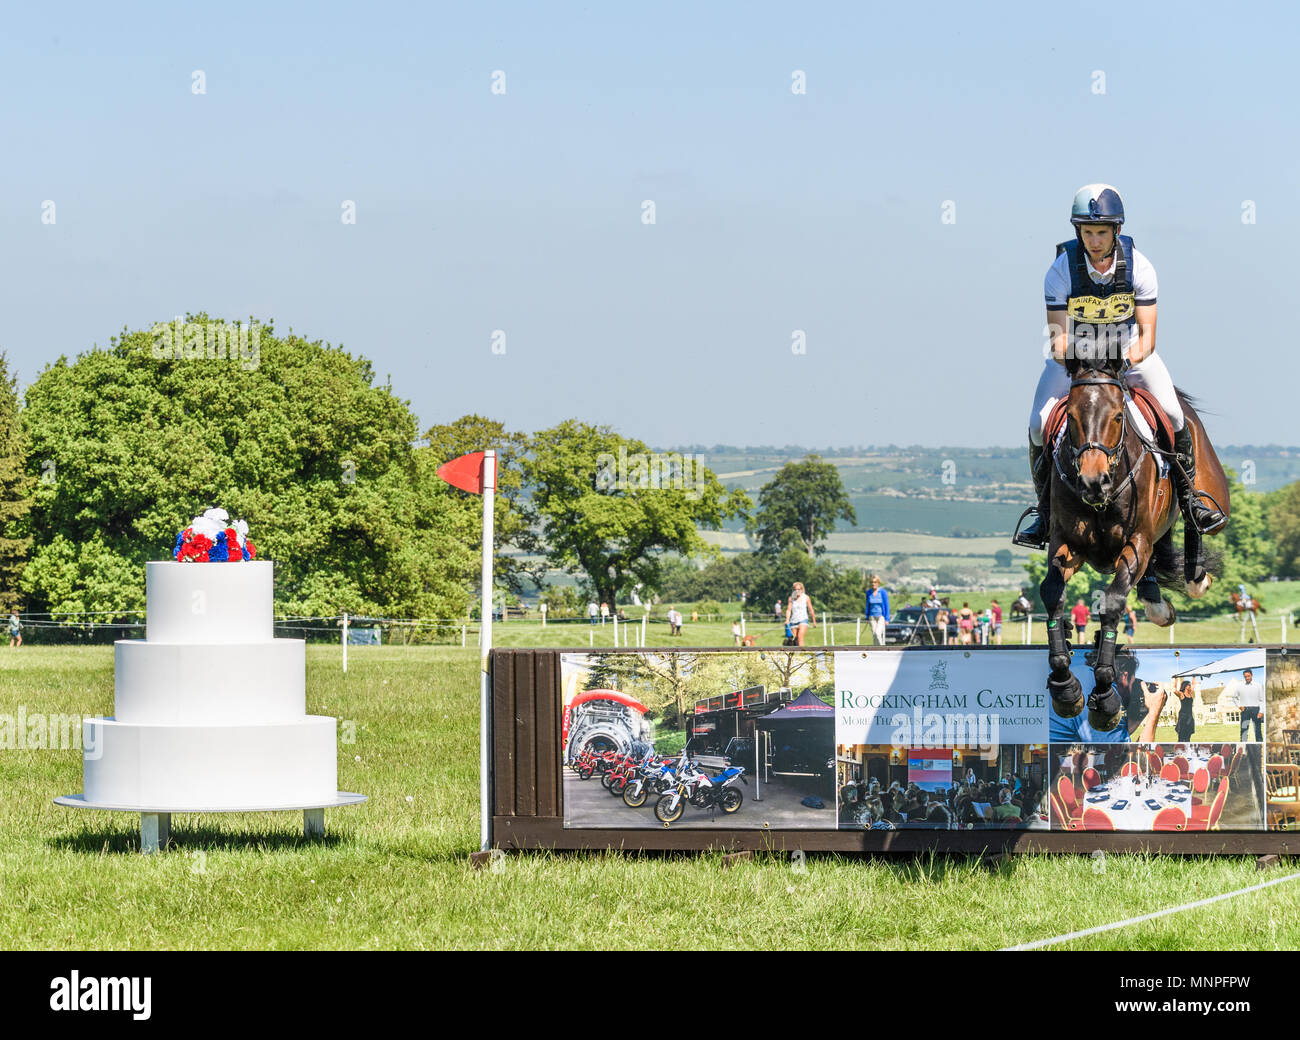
(465, 472)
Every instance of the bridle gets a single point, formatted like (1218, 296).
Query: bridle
(1112, 453)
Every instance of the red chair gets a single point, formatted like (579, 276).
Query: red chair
(1130, 769)
(1183, 768)
(1061, 818)
(1097, 820)
(1208, 820)
(1169, 771)
(1236, 760)
(1154, 762)
(1091, 779)
(1215, 766)
(1065, 791)
(1171, 818)
(1225, 752)
(1200, 784)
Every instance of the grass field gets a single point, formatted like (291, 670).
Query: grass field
(395, 872)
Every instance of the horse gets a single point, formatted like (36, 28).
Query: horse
(1113, 507)
(1245, 604)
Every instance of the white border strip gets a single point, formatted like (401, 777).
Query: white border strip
(1038, 944)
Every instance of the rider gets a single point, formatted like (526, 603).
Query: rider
(1101, 282)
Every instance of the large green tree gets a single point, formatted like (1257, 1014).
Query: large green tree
(799, 506)
(294, 436)
(607, 507)
(15, 492)
(1283, 514)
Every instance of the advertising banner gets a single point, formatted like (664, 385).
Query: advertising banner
(943, 738)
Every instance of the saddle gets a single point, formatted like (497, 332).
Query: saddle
(1148, 407)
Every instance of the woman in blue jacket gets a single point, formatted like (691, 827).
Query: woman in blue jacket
(877, 610)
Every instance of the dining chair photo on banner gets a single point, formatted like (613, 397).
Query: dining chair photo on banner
(1170, 818)
(1206, 818)
(1097, 820)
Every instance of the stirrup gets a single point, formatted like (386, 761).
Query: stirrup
(1035, 535)
(1201, 516)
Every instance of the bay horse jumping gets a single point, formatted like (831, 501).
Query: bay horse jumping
(1113, 506)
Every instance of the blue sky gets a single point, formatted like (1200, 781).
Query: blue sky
(774, 211)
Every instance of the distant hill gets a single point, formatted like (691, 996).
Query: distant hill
(951, 492)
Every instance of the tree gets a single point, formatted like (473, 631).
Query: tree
(1002, 558)
(15, 492)
(607, 507)
(800, 506)
(511, 529)
(301, 443)
(1283, 514)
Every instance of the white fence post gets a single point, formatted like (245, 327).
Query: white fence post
(857, 633)
(345, 640)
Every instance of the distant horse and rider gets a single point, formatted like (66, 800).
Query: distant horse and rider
(1247, 608)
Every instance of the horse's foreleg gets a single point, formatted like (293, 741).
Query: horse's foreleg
(1066, 690)
(1105, 709)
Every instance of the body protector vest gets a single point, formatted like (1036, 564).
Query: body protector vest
(1103, 314)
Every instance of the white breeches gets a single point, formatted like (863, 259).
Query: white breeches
(1150, 374)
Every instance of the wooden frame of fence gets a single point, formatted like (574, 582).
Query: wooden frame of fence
(527, 791)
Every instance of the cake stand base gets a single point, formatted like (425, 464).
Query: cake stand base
(156, 822)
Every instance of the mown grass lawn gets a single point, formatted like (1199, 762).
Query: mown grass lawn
(395, 872)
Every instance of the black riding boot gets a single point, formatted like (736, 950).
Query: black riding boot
(1202, 516)
(1035, 535)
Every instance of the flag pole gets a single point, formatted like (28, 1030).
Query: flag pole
(485, 675)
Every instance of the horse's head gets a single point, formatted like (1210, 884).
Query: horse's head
(1096, 425)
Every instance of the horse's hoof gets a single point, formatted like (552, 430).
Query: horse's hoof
(1161, 613)
(1105, 709)
(1199, 586)
(1067, 696)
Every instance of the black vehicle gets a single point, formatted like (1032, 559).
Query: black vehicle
(916, 626)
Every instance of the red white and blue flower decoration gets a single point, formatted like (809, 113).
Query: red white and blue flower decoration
(213, 538)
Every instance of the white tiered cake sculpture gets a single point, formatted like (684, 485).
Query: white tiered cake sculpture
(210, 709)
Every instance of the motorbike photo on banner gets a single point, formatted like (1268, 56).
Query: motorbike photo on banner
(707, 739)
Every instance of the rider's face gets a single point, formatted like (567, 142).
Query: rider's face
(1098, 239)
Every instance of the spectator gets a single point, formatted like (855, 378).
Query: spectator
(1080, 615)
(695, 615)
(776, 612)
(799, 613)
(604, 612)
(15, 631)
(735, 632)
(1130, 623)
(966, 623)
(877, 610)
(592, 611)
(995, 630)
